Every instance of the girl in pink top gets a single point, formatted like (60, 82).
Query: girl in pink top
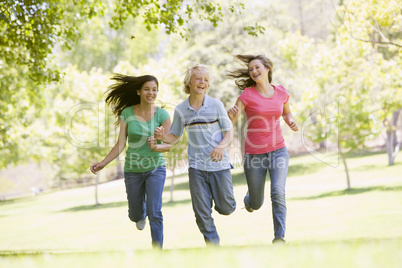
(265, 149)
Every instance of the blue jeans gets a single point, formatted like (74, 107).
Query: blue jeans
(206, 187)
(255, 169)
(144, 195)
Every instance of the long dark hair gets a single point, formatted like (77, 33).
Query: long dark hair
(242, 75)
(123, 93)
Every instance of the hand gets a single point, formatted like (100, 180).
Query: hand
(96, 167)
(159, 133)
(217, 154)
(233, 112)
(293, 126)
(152, 142)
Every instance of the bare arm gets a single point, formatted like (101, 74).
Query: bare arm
(161, 133)
(288, 117)
(235, 112)
(164, 147)
(152, 141)
(115, 151)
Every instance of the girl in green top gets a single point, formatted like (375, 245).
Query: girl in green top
(132, 99)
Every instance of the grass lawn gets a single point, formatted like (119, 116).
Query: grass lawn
(327, 226)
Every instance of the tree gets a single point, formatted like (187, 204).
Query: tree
(344, 76)
(76, 126)
(378, 23)
(29, 31)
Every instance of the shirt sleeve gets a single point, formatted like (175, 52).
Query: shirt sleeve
(286, 94)
(163, 116)
(177, 127)
(223, 117)
(123, 116)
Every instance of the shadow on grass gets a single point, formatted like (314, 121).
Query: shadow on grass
(177, 186)
(176, 203)
(361, 154)
(380, 166)
(303, 169)
(119, 204)
(19, 200)
(95, 207)
(352, 191)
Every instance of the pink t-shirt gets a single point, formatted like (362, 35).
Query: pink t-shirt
(263, 120)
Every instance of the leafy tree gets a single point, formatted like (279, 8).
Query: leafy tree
(76, 126)
(29, 30)
(100, 46)
(378, 23)
(344, 76)
(374, 22)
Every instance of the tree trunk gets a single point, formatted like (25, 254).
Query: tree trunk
(96, 189)
(391, 142)
(346, 167)
(172, 186)
(300, 6)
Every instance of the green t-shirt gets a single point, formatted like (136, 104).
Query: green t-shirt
(139, 157)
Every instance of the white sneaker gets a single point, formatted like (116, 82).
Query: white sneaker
(141, 224)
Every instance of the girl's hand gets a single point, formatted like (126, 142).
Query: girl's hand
(232, 112)
(293, 126)
(96, 167)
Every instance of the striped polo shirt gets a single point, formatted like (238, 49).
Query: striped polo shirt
(205, 131)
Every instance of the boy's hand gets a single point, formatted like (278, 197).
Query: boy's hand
(217, 154)
(159, 133)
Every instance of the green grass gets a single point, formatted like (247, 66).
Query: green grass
(327, 225)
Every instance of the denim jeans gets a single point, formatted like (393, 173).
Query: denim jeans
(206, 187)
(144, 195)
(255, 169)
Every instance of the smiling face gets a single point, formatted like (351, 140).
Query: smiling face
(199, 82)
(258, 72)
(148, 92)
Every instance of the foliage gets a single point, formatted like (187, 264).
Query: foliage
(375, 22)
(102, 47)
(77, 126)
(31, 29)
(356, 76)
(379, 23)
(175, 14)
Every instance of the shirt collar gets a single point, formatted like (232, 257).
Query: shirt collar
(206, 103)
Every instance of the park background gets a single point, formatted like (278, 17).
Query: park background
(339, 60)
